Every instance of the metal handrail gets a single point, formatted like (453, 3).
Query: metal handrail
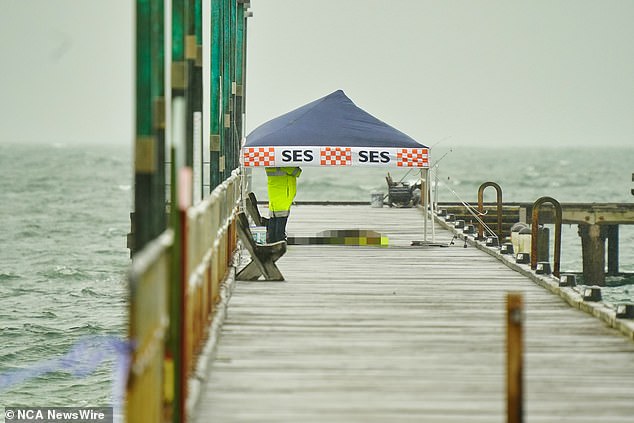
(498, 189)
(534, 232)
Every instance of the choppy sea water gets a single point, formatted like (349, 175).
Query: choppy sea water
(64, 216)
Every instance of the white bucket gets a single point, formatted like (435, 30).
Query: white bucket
(524, 240)
(376, 199)
(515, 236)
(259, 234)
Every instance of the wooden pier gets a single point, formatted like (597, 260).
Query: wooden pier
(355, 333)
(403, 334)
(597, 223)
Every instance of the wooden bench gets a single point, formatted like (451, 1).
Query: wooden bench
(251, 205)
(263, 256)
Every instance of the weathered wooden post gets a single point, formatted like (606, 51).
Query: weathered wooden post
(180, 198)
(543, 244)
(227, 135)
(593, 253)
(514, 358)
(182, 156)
(239, 73)
(149, 218)
(183, 56)
(195, 56)
(235, 142)
(215, 86)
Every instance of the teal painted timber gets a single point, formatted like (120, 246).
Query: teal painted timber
(198, 29)
(226, 149)
(215, 118)
(234, 136)
(143, 68)
(227, 68)
(190, 90)
(239, 72)
(149, 193)
(178, 30)
(158, 112)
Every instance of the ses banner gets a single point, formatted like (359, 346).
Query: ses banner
(335, 156)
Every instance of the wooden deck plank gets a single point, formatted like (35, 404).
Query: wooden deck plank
(404, 334)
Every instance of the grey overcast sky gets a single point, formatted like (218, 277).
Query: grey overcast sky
(473, 72)
(67, 71)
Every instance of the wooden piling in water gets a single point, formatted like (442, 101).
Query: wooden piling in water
(593, 253)
(593, 247)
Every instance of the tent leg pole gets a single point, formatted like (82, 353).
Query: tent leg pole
(423, 192)
(433, 212)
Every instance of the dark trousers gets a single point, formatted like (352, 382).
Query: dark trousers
(276, 229)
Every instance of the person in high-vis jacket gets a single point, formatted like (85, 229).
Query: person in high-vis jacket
(282, 187)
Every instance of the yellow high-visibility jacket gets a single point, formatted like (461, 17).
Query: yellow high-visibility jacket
(282, 187)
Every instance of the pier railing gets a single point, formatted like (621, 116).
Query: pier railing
(186, 267)
(149, 280)
(169, 290)
(209, 241)
(597, 222)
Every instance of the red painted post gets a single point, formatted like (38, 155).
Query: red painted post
(184, 202)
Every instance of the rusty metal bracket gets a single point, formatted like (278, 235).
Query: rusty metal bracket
(535, 225)
(498, 189)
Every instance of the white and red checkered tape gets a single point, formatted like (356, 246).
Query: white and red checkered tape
(412, 157)
(335, 156)
(259, 156)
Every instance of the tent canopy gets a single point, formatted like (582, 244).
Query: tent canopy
(331, 131)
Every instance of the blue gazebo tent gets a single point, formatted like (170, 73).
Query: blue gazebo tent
(331, 131)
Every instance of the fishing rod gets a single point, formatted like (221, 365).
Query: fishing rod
(475, 213)
(435, 164)
(435, 144)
